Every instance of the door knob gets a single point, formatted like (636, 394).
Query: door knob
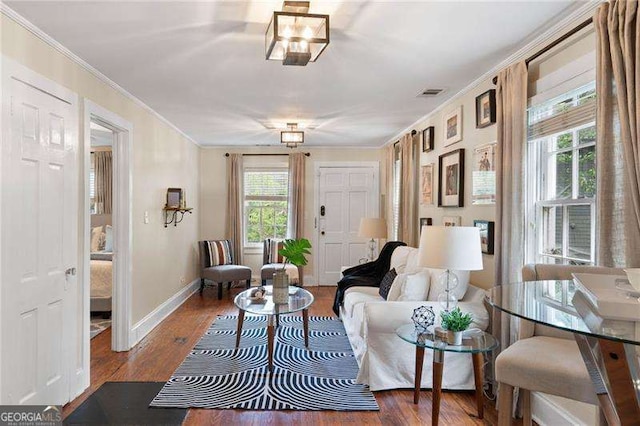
(70, 272)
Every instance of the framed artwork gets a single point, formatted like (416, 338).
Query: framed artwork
(453, 126)
(483, 176)
(451, 179)
(451, 221)
(426, 184)
(427, 139)
(486, 109)
(174, 197)
(426, 221)
(487, 235)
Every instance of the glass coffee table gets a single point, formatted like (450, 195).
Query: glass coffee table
(475, 342)
(299, 300)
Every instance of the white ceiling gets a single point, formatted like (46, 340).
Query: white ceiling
(201, 64)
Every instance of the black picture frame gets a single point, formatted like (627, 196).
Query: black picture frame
(486, 109)
(487, 235)
(427, 139)
(451, 185)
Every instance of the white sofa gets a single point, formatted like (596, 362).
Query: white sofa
(385, 360)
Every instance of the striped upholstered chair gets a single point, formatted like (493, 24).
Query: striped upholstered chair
(217, 265)
(271, 261)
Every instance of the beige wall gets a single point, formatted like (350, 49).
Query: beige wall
(213, 195)
(161, 158)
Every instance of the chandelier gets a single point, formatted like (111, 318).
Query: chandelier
(296, 37)
(292, 137)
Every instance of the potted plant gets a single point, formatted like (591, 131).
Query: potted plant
(293, 251)
(455, 322)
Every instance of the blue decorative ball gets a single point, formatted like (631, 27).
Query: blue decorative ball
(423, 318)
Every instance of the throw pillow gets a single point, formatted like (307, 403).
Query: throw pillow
(217, 252)
(396, 287)
(439, 287)
(108, 238)
(416, 287)
(386, 283)
(95, 238)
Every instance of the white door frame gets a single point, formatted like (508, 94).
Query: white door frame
(122, 224)
(316, 199)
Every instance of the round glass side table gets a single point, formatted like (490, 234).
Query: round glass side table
(474, 341)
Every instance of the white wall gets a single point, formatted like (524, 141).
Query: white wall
(162, 158)
(213, 195)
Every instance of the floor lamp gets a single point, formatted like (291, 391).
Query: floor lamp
(450, 248)
(372, 227)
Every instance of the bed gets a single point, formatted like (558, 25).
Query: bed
(101, 271)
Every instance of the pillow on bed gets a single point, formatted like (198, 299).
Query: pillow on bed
(108, 239)
(96, 233)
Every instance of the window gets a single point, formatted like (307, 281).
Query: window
(395, 197)
(92, 185)
(265, 204)
(561, 179)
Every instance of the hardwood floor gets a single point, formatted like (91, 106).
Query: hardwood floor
(161, 352)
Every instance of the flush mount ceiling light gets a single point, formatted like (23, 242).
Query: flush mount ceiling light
(296, 37)
(292, 137)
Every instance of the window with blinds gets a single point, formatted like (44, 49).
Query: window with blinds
(396, 194)
(92, 184)
(561, 178)
(266, 193)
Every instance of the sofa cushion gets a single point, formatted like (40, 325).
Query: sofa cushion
(358, 295)
(399, 258)
(396, 287)
(438, 287)
(416, 287)
(387, 281)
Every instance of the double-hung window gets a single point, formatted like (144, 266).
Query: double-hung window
(265, 204)
(561, 179)
(395, 196)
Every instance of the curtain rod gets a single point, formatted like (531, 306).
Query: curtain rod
(553, 44)
(306, 154)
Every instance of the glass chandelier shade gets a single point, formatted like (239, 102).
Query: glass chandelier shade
(292, 137)
(296, 38)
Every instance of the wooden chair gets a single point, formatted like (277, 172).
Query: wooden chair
(217, 264)
(544, 359)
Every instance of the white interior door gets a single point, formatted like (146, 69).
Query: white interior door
(39, 295)
(345, 195)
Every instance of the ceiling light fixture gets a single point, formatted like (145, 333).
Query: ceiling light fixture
(292, 137)
(295, 36)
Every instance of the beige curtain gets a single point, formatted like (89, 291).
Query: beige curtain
(103, 168)
(295, 225)
(234, 205)
(618, 133)
(408, 217)
(389, 161)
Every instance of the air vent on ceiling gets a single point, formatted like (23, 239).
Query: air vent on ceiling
(429, 93)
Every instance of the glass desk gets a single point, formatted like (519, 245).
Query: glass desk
(609, 344)
(475, 342)
(299, 300)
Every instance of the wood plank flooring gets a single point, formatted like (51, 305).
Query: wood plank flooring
(161, 352)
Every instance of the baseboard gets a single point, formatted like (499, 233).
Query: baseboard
(155, 317)
(546, 412)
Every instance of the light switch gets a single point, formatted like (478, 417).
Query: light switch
(146, 217)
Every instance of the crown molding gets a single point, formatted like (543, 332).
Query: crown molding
(552, 32)
(29, 26)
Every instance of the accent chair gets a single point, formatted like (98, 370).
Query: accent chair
(217, 265)
(272, 261)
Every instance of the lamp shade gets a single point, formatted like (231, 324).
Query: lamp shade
(450, 247)
(372, 227)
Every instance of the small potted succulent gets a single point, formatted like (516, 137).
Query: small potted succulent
(455, 322)
(293, 251)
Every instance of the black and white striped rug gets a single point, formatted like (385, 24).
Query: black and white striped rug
(216, 375)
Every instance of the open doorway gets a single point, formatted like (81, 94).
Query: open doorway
(101, 235)
(107, 227)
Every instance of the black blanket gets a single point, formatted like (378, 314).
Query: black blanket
(366, 275)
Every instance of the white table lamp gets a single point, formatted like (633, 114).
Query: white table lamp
(372, 227)
(450, 247)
